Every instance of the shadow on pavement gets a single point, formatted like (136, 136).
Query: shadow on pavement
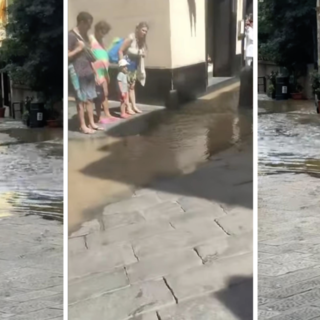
(238, 298)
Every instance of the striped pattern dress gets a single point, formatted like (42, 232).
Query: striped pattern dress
(101, 65)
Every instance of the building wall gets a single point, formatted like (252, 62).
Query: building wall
(188, 45)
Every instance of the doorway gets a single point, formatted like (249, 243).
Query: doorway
(220, 37)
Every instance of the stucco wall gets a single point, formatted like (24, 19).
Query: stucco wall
(187, 47)
(124, 15)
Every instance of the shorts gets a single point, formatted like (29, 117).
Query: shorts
(124, 97)
(87, 89)
(132, 77)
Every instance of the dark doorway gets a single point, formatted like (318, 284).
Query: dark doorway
(5, 86)
(221, 36)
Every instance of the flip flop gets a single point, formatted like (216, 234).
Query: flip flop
(107, 120)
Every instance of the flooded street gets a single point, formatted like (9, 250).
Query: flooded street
(31, 215)
(155, 146)
(289, 137)
(32, 171)
(288, 204)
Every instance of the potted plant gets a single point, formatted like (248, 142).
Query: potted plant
(55, 116)
(271, 91)
(315, 85)
(272, 84)
(297, 91)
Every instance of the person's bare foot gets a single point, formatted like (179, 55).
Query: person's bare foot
(125, 115)
(86, 130)
(131, 112)
(136, 110)
(95, 127)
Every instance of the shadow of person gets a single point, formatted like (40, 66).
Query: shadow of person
(193, 16)
(238, 297)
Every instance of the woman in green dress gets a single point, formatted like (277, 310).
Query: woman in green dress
(101, 66)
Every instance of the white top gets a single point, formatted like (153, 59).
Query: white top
(249, 42)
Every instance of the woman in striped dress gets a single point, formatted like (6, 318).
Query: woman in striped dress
(101, 66)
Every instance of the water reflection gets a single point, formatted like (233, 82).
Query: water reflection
(289, 138)
(164, 144)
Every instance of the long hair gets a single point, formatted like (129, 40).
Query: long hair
(140, 25)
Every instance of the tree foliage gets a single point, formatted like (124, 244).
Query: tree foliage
(287, 32)
(33, 50)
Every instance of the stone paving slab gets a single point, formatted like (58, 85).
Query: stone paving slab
(128, 233)
(210, 278)
(227, 304)
(161, 265)
(225, 247)
(174, 240)
(96, 285)
(124, 304)
(100, 259)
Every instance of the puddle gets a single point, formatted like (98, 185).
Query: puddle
(289, 138)
(158, 145)
(31, 167)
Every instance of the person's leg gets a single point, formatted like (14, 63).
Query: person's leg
(124, 107)
(105, 103)
(97, 104)
(91, 93)
(81, 115)
(132, 95)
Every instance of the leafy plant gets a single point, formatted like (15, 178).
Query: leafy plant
(315, 83)
(272, 77)
(271, 90)
(287, 33)
(33, 52)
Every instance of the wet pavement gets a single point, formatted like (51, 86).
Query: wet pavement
(31, 214)
(109, 166)
(156, 204)
(289, 242)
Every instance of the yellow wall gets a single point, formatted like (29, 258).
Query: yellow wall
(187, 48)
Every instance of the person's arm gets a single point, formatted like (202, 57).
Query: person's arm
(74, 46)
(126, 44)
(77, 50)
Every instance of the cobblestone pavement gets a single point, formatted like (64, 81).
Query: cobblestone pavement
(179, 250)
(31, 269)
(289, 247)
(31, 248)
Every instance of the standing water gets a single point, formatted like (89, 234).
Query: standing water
(157, 145)
(289, 137)
(31, 171)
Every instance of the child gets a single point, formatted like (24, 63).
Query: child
(123, 87)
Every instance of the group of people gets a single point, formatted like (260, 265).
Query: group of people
(89, 71)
